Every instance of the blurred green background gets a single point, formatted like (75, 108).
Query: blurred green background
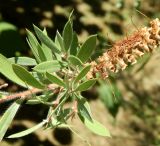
(128, 103)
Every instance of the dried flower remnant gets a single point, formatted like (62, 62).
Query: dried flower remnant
(127, 51)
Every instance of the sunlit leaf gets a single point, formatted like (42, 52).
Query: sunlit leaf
(63, 115)
(7, 70)
(24, 75)
(7, 118)
(95, 126)
(67, 35)
(74, 60)
(83, 110)
(87, 48)
(46, 40)
(35, 47)
(74, 44)
(86, 85)
(60, 41)
(26, 61)
(28, 131)
(82, 74)
(55, 79)
(48, 66)
(47, 51)
(33, 101)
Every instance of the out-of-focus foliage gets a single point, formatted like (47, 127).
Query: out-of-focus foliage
(10, 40)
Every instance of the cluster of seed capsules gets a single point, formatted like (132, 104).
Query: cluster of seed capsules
(127, 51)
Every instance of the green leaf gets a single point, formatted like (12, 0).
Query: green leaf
(7, 118)
(86, 85)
(10, 39)
(33, 101)
(60, 41)
(38, 76)
(95, 127)
(48, 66)
(87, 48)
(28, 131)
(110, 96)
(47, 51)
(64, 115)
(67, 35)
(75, 61)
(74, 44)
(55, 79)
(84, 71)
(7, 70)
(46, 40)
(35, 47)
(82, 103)
(108, 93)
(26, 61)
(24, 75)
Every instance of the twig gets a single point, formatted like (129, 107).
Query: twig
(26, 94)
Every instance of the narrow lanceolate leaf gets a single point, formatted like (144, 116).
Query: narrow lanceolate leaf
(87, 48)
(59, 41)
(26, 61)
(55, 79)
(86, 104)
(84, 71)
(24, 75)
(74, 45)
(28, 131)
(67, 35)
(35, 47)
(46, 40)
(83, 110)
(95, 126)
(48, 66)
(75, 61)
(47, 51)
(7, 70)
(7, 118)
(86, 85)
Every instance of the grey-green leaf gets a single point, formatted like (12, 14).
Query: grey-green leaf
(26, 61)
(7, 70)
(60, 41)
(24, 75)
(87, 48)
(55, 79)
(67, 35)
(48, 66)
(46, 40)
(47, 51)
(83, 110)
(84, 71)
(7, 118)
(75, 61)
(86, 85)
(28, 131)
(35, 47)
(95, 127)
(74, 45)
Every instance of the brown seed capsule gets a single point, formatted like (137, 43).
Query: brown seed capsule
(127, 50)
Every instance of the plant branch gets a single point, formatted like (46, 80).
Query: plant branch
(26, 94)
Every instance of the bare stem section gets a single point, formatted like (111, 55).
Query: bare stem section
(127, 51)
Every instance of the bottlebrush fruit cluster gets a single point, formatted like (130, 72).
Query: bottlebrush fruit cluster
(127, 51)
